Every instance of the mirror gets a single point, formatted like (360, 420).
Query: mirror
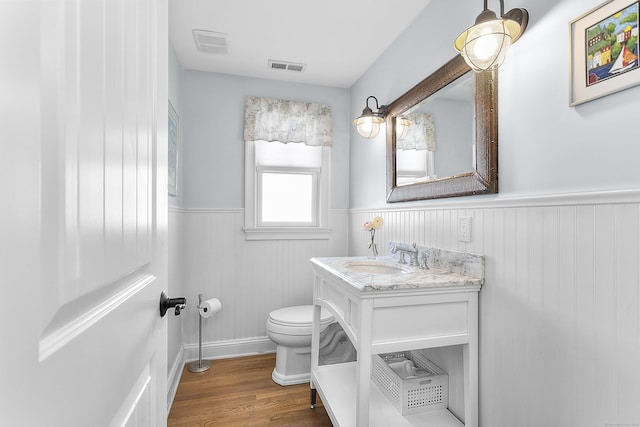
(435, 137)
(442, 136)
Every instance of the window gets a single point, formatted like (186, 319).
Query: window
(415, 153)
(287, 153)
(287, 197)
(414, 166)
(286, 191)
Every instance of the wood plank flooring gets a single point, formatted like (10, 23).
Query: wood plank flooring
(240, 392)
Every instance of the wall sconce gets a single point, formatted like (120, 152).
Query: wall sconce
(368, 124)
(402, 127)
(484, 45)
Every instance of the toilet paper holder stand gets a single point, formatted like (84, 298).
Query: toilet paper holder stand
(199, 365)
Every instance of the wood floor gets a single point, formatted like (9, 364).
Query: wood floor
(240, 392)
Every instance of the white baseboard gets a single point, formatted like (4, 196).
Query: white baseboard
(231, 348)
(174, 378)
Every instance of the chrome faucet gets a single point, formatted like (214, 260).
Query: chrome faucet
(423, 261)
(413, 254)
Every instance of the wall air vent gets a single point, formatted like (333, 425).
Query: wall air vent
(210, 42)
(288, 66)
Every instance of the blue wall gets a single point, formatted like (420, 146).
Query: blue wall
(213, 155)
(545, 146)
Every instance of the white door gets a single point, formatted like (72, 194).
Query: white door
(83, 222)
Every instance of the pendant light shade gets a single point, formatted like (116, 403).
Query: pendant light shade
(368, 124)
(484, 45)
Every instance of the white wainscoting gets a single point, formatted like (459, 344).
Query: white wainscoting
(559, 312)
(560, 308)
(251, 278)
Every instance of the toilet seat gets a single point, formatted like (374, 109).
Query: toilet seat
(290, 329)
(297, 320)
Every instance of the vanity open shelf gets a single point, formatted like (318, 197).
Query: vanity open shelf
(337, 387)
(385, 312)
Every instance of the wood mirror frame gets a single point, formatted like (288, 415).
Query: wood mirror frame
(484, 179)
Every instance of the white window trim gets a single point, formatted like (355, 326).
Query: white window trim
(252, 228)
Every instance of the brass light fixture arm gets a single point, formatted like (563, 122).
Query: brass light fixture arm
(521, 16)
(381, 109)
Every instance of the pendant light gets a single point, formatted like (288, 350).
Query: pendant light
(368, 124)
(484, 45)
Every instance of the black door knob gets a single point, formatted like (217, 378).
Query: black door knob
(166, 303)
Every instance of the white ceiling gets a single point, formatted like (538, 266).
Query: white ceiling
(337, 39)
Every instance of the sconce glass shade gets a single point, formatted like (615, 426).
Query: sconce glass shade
(368, 124)
(402, 127)
(368, 127)
(485, 44)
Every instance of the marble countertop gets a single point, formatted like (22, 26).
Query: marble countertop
(408, 278)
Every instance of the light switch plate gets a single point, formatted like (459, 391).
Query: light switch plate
(464, 229)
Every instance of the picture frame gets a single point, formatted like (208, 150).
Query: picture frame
(173, 130)
(603, 51)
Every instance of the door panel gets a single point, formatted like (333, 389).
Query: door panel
(91, 266)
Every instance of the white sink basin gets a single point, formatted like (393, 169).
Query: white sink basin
(377, 267)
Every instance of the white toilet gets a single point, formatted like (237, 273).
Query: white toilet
(290, 329)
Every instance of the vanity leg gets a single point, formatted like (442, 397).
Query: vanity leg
(313, 395)
(470, 361)
(363, 374)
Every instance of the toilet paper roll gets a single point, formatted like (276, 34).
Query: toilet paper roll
(210, 307)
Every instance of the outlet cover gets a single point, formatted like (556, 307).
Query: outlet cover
(464, 229)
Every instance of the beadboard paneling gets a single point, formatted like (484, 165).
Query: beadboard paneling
(559, 311)
(251, 278)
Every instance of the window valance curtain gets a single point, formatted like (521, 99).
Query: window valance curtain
(421, 134)
(287, 121)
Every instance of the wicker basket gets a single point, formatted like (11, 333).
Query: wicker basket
(411, 395)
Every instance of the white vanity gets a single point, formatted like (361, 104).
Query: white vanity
(386, 307)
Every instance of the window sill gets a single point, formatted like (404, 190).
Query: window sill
(287, 233)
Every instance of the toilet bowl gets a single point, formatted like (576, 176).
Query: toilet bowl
(290, 329)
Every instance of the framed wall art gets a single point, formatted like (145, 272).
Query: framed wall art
(603, 51)
(173, 135)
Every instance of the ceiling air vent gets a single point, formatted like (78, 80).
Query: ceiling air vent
(284, 65)
(210, 42)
